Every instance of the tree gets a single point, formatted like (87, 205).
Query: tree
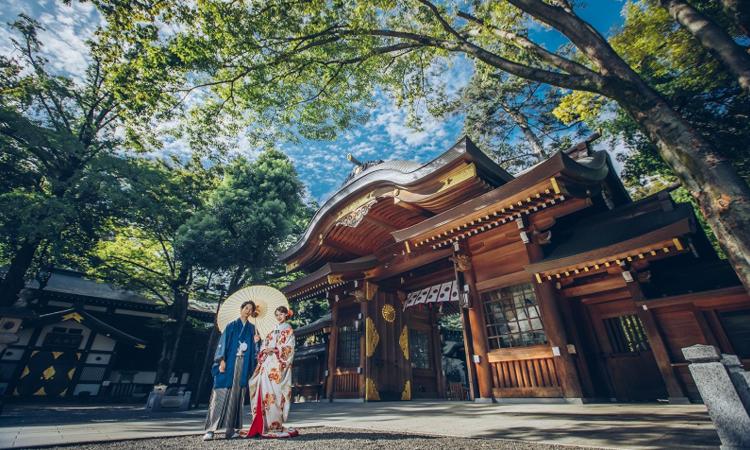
(58, 165)
(684, 72)
(246, 218)
(713, 37)
(511, 118)
(315, 62)
(739, 11)
(145, 252)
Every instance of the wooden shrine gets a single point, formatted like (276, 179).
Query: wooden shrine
(566, 287)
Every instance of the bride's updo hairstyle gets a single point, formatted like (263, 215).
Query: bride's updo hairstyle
(287, 312)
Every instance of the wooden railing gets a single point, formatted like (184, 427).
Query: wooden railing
(524, 372)
(346, 383)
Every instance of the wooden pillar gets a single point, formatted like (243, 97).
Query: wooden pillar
(332, 347)
(437, 352)
(477, 326)
(658, 347)
(468, 351)
(554, 329)
(363, 372)
(574, 334)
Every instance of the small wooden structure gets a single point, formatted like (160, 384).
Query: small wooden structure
(567, 288)
(93, 342)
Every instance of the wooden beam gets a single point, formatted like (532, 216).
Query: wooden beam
(380, 224)
(412, 208)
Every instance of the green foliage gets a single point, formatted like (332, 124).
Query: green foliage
(247, 216)
(511, 118)
(143, 252)
(307, 311)
(694, 83)
(59, 166)
(278, 68)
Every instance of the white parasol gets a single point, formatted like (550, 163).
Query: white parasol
(266, 300)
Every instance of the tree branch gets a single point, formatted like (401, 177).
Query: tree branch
(526, 44)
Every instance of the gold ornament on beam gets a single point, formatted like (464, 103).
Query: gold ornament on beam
(462, 262)
(371, 337)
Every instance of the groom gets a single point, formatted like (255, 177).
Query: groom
(234, 361)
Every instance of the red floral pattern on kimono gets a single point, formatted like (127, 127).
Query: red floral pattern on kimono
(271, 384)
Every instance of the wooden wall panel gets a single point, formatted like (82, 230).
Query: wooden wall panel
(524, 372)
(680, 328)
(499, 262)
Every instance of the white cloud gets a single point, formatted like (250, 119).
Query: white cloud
(66, 29)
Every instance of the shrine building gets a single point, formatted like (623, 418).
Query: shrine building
(565, 287)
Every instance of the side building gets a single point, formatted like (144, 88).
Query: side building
(565, 288)
(89, 341)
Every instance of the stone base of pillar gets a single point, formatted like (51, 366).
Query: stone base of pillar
(483, 400)
(542, 401)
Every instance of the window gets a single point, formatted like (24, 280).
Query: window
(92, 373)
(512, 317)
(737, 327)
(626, 334)
(63, 338)
(419, 349)
(347, 354)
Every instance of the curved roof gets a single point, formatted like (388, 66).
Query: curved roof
(593, 168)
(401, 175)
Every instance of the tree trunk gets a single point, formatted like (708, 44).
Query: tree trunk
(739, 10)
(712, 37)
(723, 196)
(173, 330)
(536, 144)
(213, 337)
(14, 280)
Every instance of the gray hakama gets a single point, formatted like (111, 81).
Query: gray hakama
(225, 406)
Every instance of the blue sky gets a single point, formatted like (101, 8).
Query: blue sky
(322, 166)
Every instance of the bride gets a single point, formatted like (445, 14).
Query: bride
(271, 384)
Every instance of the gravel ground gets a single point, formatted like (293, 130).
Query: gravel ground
(324, 438)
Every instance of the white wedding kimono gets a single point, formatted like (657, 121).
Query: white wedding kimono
(271, 385)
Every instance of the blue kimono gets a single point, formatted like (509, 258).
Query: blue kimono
(225, 406)
(229, 342)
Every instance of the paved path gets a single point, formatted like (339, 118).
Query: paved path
(604, 426)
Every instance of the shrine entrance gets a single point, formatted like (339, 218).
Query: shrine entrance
(617, 355)
(430, 336)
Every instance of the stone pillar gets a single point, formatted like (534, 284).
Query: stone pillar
(740, 378)
(719, 395)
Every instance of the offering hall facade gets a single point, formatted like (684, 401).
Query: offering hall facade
(566, 288)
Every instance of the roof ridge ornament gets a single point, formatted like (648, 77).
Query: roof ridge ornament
(359, 166)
